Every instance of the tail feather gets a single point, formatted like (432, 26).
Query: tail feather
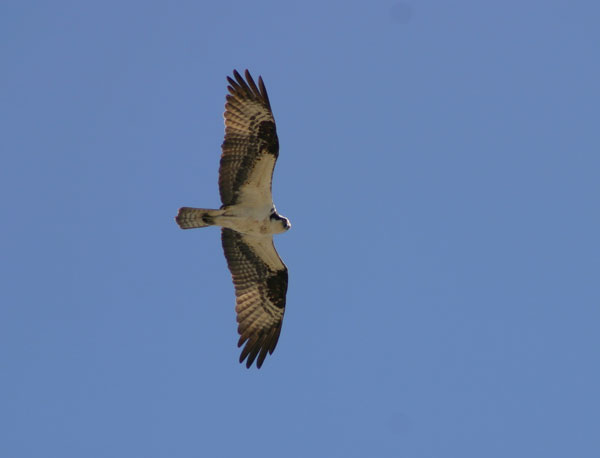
(189, 218)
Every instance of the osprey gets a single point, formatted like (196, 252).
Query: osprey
(248, 217)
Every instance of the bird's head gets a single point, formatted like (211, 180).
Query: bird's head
(281, 223)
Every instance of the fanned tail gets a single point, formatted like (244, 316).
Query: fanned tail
(190, 218)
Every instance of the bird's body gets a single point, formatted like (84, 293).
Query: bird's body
(239, 218)
(248, 217)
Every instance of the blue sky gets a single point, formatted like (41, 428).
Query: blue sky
(439, 164)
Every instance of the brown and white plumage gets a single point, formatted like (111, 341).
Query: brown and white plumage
(260, 279)
(250, 139)
(248, 217)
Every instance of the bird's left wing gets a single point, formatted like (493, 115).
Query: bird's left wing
(251, 147)
(260, 278)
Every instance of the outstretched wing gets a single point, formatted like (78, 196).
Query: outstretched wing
(260, 278)
(251, 146)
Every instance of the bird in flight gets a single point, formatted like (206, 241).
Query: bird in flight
(248, 217)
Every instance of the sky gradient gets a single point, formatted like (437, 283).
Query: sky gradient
(439, 163)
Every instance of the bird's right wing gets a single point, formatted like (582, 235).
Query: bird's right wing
(260, 278)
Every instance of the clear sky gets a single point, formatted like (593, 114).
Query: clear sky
(440, 166)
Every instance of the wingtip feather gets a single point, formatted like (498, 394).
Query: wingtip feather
(238, 85)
